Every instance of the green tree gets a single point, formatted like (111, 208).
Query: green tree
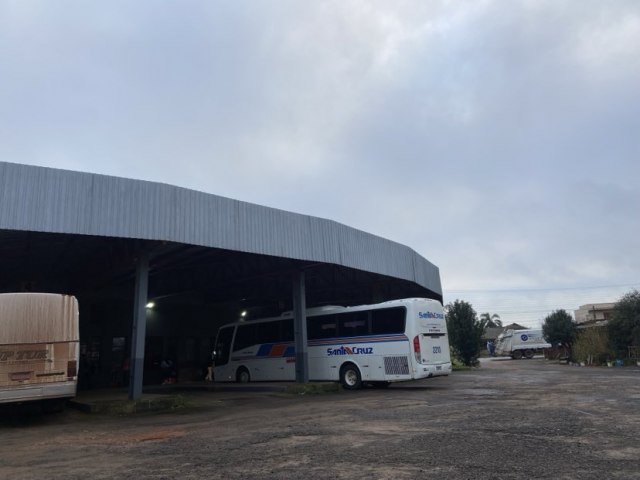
(465, 331)
(559, 328)
(624, 327)
(491, 321)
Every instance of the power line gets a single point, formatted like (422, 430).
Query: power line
(528, 306)
(535, 300)
(548, 289)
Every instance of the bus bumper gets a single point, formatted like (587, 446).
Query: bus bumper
(28, 393)
(437, 370)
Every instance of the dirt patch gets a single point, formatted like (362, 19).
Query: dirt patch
(506, 420)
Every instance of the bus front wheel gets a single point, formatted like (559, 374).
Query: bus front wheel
(242, 375)
(350, 377)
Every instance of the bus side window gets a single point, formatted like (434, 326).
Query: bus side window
(322, 326)
(388, 320)
(223, 346)
(286, 328)
(268, 332)
(353, 324)
(246, 336)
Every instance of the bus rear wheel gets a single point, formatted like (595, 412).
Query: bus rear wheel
(517, 355)
(350, 377)
(242, 375)
(528, 353)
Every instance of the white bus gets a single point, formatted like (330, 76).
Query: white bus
(378, 344)
(39, 348)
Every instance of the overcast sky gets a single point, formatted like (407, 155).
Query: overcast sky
(498, 139)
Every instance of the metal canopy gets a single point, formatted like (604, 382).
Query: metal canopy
(104, 238)
(105, 267)
(37, 199)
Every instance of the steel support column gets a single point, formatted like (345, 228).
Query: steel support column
(300, 327)
(139, 326)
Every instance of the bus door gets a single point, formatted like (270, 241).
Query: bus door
(222, 348)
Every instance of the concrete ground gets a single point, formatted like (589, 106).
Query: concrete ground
(506, 420)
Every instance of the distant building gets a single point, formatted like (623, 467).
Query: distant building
(491, 333)
(594, 313)
(514, 326)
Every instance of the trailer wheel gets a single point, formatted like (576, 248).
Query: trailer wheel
(517, 354)
(528, 353)
(242, 375)
(350, 377)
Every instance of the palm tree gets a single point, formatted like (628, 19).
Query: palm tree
(491, 321)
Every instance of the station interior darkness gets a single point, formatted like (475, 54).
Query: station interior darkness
(194, 290)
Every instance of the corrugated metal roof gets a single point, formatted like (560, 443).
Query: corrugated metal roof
(60, 201)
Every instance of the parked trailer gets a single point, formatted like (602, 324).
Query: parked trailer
(39, 348)
(520, 343)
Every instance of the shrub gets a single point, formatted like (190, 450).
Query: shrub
(624, 327)
(465, 332)
(592, 346)
(560, 329)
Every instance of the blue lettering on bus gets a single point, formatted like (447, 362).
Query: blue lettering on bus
(439, 316)
(350, 351)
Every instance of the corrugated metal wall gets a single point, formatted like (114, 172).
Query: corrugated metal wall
(59, 201)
